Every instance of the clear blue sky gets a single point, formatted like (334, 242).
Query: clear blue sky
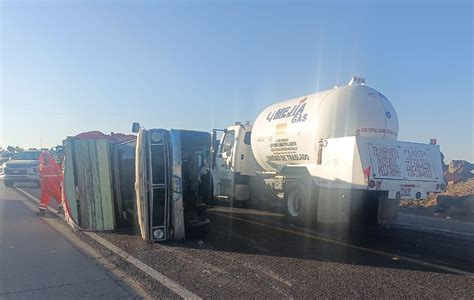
(73, 66)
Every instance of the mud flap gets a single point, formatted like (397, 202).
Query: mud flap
(333, 207)
(388, 209)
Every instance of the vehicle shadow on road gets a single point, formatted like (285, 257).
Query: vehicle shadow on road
(248, 231)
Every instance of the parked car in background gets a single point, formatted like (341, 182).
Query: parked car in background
(5, 156)
(22, 167)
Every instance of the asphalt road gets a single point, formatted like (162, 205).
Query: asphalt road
(36, 262)
(251, 253)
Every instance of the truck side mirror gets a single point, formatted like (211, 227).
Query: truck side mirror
(135, 127)
(214, 147)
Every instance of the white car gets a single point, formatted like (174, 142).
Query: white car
(22, 167)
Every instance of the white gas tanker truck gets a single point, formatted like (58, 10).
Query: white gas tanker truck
(327, 157)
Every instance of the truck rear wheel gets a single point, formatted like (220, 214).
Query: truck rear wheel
(300, 203)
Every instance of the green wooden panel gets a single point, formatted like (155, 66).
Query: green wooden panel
(104, 158)
(69, 185)
(95, 210)
(93, 163)
(84, 182)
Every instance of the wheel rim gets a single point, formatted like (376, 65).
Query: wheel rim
(295, 204)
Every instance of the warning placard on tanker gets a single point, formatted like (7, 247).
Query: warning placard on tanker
(385, 161)
(401, 163)
(418, 164)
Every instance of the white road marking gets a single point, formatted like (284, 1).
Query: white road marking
(328, 240)
(167, 282)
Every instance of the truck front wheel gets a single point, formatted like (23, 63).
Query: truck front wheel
(300, 203)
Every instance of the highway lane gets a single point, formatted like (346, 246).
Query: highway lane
(36, 262)
(251, 253)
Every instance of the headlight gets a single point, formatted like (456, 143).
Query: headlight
(158, 233)
(155, 136)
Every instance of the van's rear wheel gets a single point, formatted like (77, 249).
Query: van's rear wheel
(300, 203)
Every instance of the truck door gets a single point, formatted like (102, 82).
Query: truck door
(222, 173)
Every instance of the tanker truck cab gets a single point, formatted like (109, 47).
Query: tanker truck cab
(330, 156)
(233, 164)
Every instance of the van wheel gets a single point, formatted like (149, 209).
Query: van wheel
(8, 183)
(300, 203)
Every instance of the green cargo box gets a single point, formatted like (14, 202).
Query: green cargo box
(88, 183)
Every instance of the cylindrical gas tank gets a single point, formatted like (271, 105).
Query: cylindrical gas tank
(289, 132)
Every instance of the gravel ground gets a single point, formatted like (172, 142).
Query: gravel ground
(428, 207)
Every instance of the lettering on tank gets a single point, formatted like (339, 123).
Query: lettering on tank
(285, 150)
(295, 112)
(283, 145)
(418, 164)
(375, 130)
(287, 157)
(387, 161)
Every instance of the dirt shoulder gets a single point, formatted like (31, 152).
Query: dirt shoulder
(456, 203)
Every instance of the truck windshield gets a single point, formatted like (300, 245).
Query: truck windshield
(228, 141)
(27, 156)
